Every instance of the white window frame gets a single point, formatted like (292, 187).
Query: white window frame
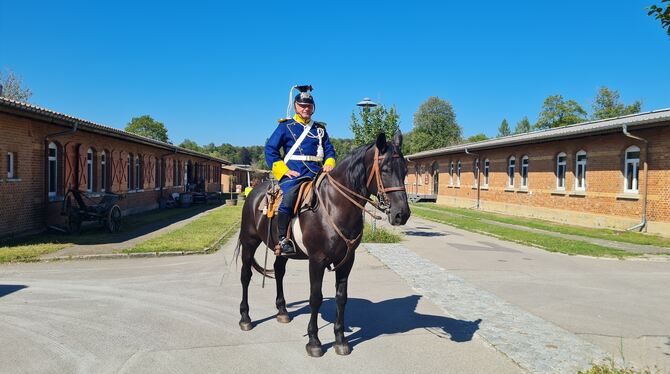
(487, 169)
(564, 164)
(475, 171)
(633, 163)
(524, 172)
(451, 173)
(89, 170)
(10, 165)
(459, 167)
(580, 164)
(511, 170)
(52, 190)
(103, 171)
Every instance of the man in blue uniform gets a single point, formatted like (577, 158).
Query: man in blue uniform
(307, 150)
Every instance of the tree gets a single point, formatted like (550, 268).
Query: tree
(149, 127)
(12, 87)
(434, 126)
(190, 144)
(244, 156)
(661, 14)
(606, 105)
(522, 126)
(557, 112)
(342, 147)
(373, 122)
(504, 129)
(477, 138)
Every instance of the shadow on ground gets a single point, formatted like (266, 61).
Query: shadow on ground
(423, 233)
(131, 227)
(6, 289)
(369, 320)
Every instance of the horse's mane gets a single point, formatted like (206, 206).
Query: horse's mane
(354, 168)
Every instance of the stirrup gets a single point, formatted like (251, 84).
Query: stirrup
(287, 247)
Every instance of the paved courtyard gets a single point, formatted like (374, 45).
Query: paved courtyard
(443, 300)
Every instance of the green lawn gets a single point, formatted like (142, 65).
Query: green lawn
(379, 235)
(619, 236)
(549, 243)
(32, 247)
(217, 225)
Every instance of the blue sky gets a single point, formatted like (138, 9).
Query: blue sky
(220, 71)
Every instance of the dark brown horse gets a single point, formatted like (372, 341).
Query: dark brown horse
(330, 232)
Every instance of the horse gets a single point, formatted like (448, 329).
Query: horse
(331, 230)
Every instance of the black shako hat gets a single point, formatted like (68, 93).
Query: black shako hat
(304, 96)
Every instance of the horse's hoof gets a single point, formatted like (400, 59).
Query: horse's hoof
(314, 351)
(245, 326)
(342, 349)
(283, 318)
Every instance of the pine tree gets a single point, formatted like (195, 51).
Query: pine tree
(504, 130)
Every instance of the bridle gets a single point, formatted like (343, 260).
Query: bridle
(383, 203)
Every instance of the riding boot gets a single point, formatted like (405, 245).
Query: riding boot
(286, 246)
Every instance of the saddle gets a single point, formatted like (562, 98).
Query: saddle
(306, 199)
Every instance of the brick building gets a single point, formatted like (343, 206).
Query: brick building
(609, 173)
(45, 153)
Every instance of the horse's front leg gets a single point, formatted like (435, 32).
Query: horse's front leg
(247, 255)
(280, 270)
(341, 279)
(316, 270)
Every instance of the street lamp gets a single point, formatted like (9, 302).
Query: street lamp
(365, 105)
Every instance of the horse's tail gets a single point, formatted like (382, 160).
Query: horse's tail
(268, 272)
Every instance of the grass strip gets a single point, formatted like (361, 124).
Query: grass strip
(546, 242)
(197, 235)
(379, 235)
(606, 234)
(29, 249)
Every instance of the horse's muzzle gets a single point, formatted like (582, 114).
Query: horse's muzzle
(399, 218)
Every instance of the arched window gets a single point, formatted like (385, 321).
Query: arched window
(632, 169)
(561, 164)
(458, 173)
(580, 171)
(475, 172)
(11, 161)
(451, 173)
(524, 172)
(89, 170)
(158, 174)
(511, 166)
(487, 166)
(103, 171)
(52, 169)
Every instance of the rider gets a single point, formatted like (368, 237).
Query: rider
(306, 145)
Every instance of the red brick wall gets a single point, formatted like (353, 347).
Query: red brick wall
(604, 177)
(23, 203)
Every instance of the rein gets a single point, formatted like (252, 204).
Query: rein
(348, 193)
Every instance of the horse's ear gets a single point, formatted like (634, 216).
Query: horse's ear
(397, 139)
(381, 142)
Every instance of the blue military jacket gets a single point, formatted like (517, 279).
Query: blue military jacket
(285, 135)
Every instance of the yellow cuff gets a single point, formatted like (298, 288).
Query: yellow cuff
(330, 161)
(279, 168)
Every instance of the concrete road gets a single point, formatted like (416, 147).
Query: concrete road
(180, 315)
(622, 306)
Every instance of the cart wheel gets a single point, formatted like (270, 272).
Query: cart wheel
(113, 221)
(73, 222)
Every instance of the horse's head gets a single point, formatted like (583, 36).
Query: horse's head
(391, 169)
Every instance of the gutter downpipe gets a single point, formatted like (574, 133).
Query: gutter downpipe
(416, 178)
(46, 169)
(642, 226)
(478, 174)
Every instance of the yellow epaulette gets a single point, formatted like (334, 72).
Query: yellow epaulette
(282, 120)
